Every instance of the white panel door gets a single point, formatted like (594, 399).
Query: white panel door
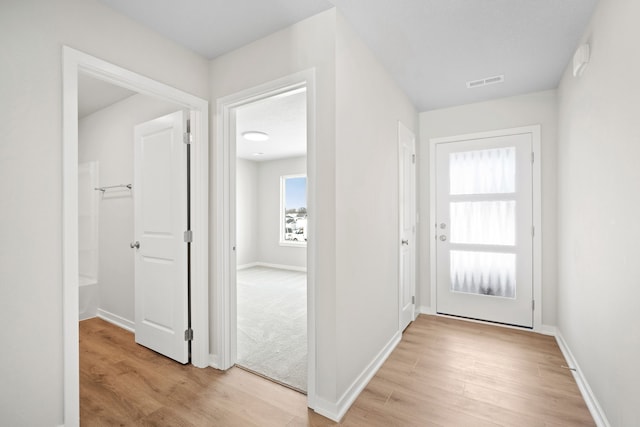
(484, 220)
(406, 141)
(161, 264)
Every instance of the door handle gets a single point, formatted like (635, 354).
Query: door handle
(443, 238)
(135, 244)
(405, 242)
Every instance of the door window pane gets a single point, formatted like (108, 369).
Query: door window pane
(483, 171)
(483, 223)
(483, 273)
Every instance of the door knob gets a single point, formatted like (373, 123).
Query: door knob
(405, 242)
(135, 244)
(443, 238)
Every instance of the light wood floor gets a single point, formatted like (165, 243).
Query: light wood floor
(445, 372)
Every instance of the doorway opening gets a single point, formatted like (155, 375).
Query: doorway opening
(280, 253)
(107, 117)
(77, 68)
(271, 237)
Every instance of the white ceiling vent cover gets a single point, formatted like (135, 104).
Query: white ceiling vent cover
(486, 81)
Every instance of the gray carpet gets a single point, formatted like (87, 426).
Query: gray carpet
(272, 324)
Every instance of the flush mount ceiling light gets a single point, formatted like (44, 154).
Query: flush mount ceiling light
(258, 154)
(254, 135)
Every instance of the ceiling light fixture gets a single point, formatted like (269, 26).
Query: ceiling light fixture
(258, 154)
(254, 135)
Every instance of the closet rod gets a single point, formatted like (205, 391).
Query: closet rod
(103, 189)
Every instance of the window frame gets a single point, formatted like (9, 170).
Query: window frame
(283, 180)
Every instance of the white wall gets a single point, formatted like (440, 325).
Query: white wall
(309, 44)
(33, 33)
(531, 109)
(599, 211)
(258, 212)
(106, 136)
(368, 107)
(269, 249)
(356, 171)
(88, 202)
(247, 211)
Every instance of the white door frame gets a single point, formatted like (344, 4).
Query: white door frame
(74, 62)
(534, 131)
(225, 293)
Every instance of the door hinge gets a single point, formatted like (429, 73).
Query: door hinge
(533, 304)
(533, 157)
(413, 158)
(188, 137)
(413, 299)
(188, 236)
(188, 334)
(533, 231)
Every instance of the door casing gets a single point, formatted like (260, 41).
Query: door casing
(75, 62)
(225, 292)
(534, 130)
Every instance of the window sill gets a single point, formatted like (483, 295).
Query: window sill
(293, 244)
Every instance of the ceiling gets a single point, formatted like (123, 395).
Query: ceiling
(283, 117)
(433, 47)
(430, 47)
(95, 94)
(214, 27)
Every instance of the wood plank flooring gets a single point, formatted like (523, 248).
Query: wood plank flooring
(445, 372)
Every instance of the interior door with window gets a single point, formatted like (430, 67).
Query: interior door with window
(484, 225)
(161, 257)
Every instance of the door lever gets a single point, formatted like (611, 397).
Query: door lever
(405, 242)
(135, 244)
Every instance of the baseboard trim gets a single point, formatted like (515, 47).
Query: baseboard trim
(590, 399)
(546, 330)
(423, 309)
(281, 266)
(245, 266)
(213, 361)
(271, 265)
(117, 320)
(336, 410)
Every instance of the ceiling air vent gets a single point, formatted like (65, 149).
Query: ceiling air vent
(486, 81)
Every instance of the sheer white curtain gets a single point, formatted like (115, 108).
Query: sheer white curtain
(483, 171)
(487, 273)
(484, 222)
